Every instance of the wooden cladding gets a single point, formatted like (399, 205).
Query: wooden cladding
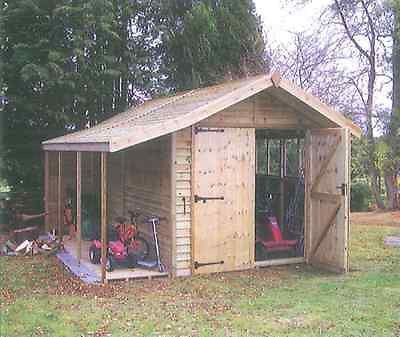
(327, 201)
(259, 111)
(183, 206)
(223, 222)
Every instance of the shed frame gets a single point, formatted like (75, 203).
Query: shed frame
(165, 132)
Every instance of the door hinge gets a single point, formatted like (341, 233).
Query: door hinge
(203, 264)
(342, 188)
(197, 198)
(198, 129)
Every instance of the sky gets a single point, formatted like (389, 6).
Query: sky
(279, 19)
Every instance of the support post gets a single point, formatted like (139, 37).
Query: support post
(46, 190)
(282, 183)
(173, 200)
(59, 203)
(79, 205)
(103, 192)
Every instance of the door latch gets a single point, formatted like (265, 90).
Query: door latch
(342, 188)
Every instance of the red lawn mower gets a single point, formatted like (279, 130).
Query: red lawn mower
(269, 238)
(125, 246)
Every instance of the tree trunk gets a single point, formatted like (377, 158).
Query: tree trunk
(391, 191)
(394, 126)
(375, 188)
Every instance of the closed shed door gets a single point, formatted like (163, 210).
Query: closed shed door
(327, 198)
(223, 212)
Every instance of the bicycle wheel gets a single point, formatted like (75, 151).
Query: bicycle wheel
(140, 247)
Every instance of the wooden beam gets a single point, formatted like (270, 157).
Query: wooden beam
(59, 203)
(123, 179)
(276, 79)
(325, 229)
(173, 200)
(279, 262)
(79, 205)
(73, 147)
(103, 192)
(334, 198)
(46, 190)
(282, 154)
(308, 172)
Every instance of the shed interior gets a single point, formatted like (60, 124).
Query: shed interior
(279, 193)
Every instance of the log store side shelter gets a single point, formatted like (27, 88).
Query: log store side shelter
(191, 158)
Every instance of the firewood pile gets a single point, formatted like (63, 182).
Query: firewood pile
(18, 244)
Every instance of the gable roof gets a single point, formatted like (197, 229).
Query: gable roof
(158, 117)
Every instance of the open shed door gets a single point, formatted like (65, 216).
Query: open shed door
(327, 198)
(223, 208)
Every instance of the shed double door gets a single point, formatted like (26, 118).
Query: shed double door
(223, 208)
(327, 180)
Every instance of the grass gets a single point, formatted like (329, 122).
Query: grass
(38, 298)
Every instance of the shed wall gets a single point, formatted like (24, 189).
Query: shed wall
(140, 178)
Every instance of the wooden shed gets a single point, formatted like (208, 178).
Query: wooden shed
(194, 159)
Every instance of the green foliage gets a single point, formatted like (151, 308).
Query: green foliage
(68, 65)
(207, 41)
(361, 196)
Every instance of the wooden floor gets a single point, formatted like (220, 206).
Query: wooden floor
(117, 273)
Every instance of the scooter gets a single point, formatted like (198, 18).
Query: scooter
(154, 221)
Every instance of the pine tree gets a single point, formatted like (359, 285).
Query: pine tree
(207, 41)
(69, 65)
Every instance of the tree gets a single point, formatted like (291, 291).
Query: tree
(207, 41)
(69, 65)
(392, 162)
(345, 63)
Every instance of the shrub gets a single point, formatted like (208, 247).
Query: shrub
(361, 197)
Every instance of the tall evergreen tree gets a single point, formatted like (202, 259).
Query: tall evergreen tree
(68, 65)
(207, 41)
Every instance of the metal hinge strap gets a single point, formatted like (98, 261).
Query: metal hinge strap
(203, 264)
(197, 198)
(198, 129)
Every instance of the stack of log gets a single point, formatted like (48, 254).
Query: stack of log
(26, 241)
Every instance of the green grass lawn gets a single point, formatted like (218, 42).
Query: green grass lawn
(39, 298)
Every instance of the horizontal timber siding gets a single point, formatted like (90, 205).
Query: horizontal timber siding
(183, 164)
(259, 111)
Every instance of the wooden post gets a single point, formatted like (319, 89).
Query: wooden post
(46, 190)
(308, 175)
(123, 182)
(282, 183)
(79, 204)
(103, 193)
(173, 200)
(59, 203)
